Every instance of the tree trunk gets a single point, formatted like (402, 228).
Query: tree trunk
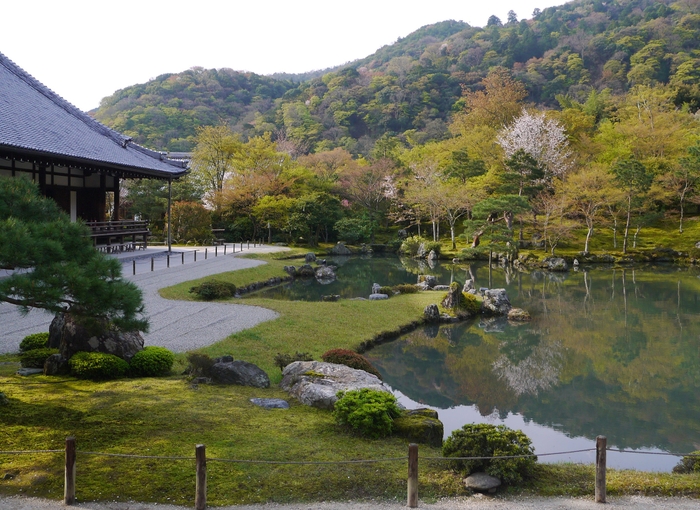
(588, 238)
(627, 224)
(452, 236)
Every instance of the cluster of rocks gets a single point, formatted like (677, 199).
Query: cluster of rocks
(270, 282)
(323, 273)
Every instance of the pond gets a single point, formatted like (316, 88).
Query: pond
(610, 351)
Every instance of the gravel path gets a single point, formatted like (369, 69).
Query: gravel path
(475, 502)
(179, 326)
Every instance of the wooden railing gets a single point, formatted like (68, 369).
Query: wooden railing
(118, 236)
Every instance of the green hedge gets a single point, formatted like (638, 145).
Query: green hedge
(97, 366)
(151, 362)
(34, 341)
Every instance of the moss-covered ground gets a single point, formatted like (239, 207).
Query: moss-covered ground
(169, 416)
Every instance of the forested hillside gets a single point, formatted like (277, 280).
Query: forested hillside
(412, 87)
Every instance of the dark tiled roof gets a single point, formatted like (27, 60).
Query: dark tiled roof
(36, 122)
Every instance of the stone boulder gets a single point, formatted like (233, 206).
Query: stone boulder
(270, 403)
(306, 271)
(226, 370)
(519, 315)
(331, 297)
(56, 365)
(290, 270)
(310, 257)
(378, 297)
(443, 288)
(325, 275)
(420, 426)
(555, 264)
(432, 255)
(69, 336)
(453, 298)
(4, 400)
(469, 287)
(428, 279)
(495, 302)
(340, 249)
(482, 482)
(315, 383)
(431, 313)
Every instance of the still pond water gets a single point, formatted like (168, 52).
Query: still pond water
(613, 352)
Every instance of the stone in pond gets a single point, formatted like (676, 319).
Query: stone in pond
(270, 403)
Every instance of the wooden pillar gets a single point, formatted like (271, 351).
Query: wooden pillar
(115, 213)
(200, 500)
(69, 484)
(601, 444)
(412, 498)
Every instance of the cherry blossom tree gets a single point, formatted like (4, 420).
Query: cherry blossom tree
(542, 138)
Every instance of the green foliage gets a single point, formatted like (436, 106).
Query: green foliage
(34, 341)
(152, 361)
(470, 303)
(213, 289)
(191, 223)
(405, 288)
(350, 359)
(412, 246)
(35, 358)
(688, 464)
(485, 440)
(354, 230)
(282, 360)
(369, 412)
(389, 291)
(199, 364)
(97, 366)
(64, 271)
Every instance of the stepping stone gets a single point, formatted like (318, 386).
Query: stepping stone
(482, 482)
(270, 403)
(30, 371)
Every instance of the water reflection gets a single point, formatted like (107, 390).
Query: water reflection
(613, 352)
(610, 351)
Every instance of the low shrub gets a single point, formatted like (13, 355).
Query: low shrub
(214, 289)
(200, 364)
(35, 358)
(433, 246)
(282, 360)
(34, 341)
(469, 303)
(386, 290)
(97, 366)
(486, 440)
(152, 361)
(411, 245)
(688, 464)
(350, 359)
(371, 413)
(405, 288)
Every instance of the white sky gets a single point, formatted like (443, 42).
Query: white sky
(87, 49)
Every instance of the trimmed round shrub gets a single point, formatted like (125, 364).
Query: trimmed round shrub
(386, 290)
(688, 464)
(152, 361)
(350, 359)
(371, 413)
(34, 341)
(486, 440)
(35, 358)
(213, 289)
(405, 288)
(97, 366)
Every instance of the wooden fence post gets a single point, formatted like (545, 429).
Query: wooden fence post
(224, 248)
(601, 443)
(151, 263)
(69, 484)
(249, 245)
(183, 257)
(195, 255)
(412, 475)
(200, 499)
(134, 266)
(168, 256)
(216, 251)
(205, 253)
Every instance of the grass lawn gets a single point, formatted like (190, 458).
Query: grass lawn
(168, 416)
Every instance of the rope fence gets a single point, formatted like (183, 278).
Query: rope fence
(201, 460)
